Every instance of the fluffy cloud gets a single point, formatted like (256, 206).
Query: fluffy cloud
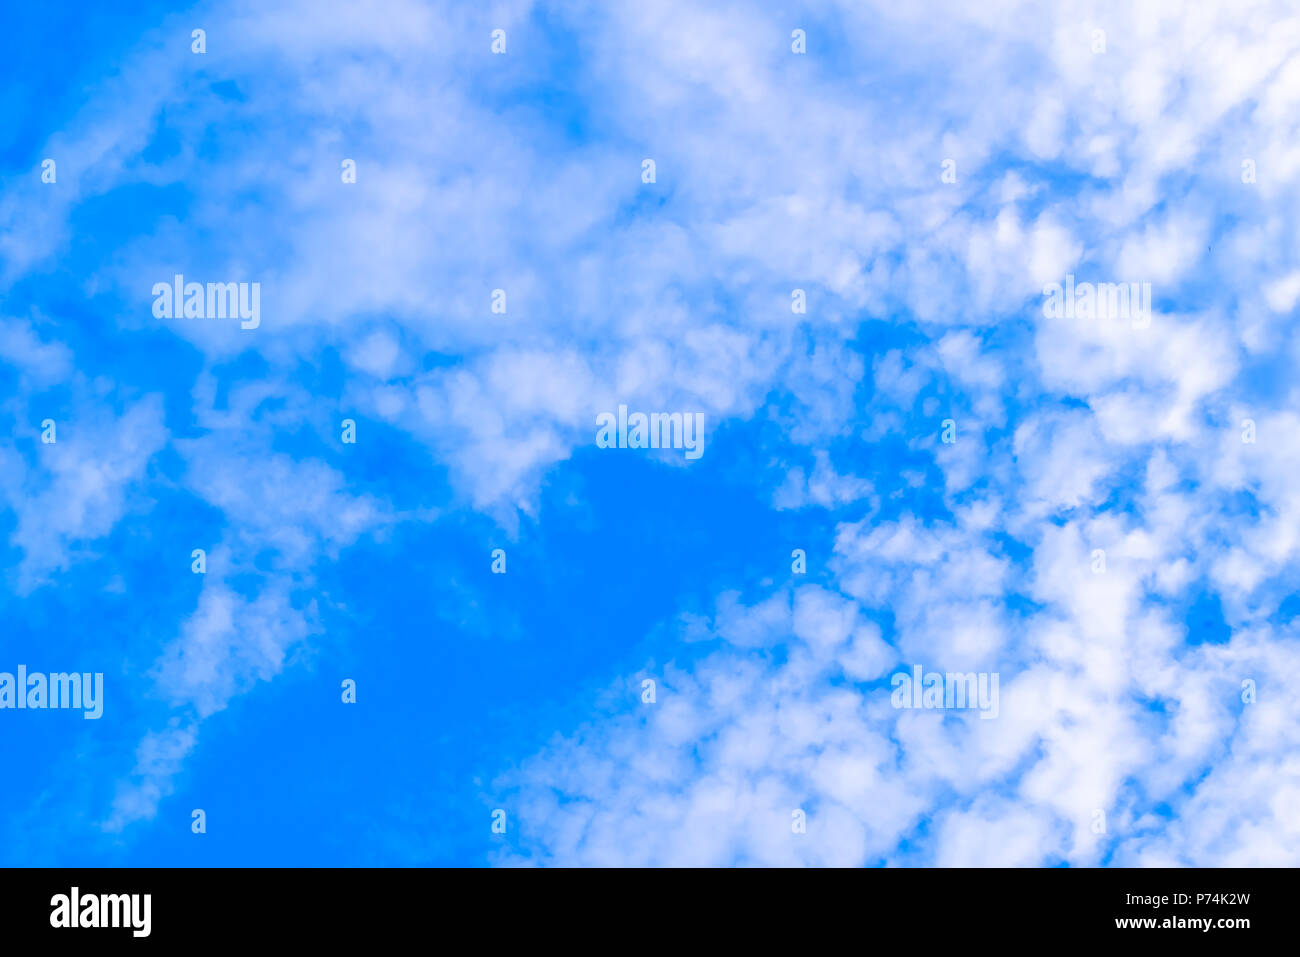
(775, 172)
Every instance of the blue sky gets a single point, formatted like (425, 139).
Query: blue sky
(1125, 732)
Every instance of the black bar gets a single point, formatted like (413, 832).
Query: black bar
(615, 908)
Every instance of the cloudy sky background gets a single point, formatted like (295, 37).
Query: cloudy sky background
(1120, 692)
